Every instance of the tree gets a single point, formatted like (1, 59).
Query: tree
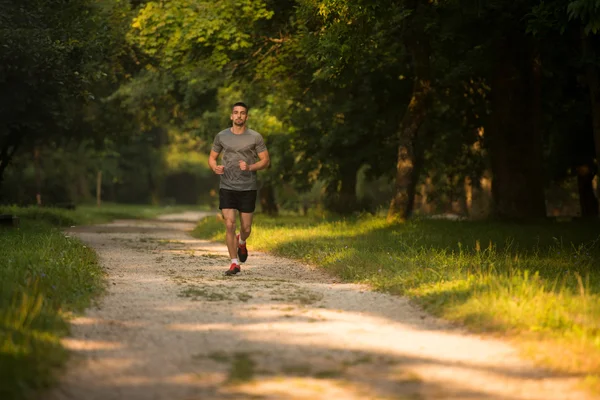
(588, 12)
(410, 153)
(347, 69)
(52, 54)
(569, 66)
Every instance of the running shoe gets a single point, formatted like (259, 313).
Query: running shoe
(242, 251)
(233, 269)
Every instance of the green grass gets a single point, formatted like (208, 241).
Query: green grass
(92, 214)
(44, 277)
(540, 282)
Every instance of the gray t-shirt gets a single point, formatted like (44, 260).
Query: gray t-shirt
(245, 146)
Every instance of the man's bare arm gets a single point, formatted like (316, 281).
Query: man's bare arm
(264, 162)
(212, 163)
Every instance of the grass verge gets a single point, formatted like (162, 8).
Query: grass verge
(539, 283)
(44, 276)
(91, 214)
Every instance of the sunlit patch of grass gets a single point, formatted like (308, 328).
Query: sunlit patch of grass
(92, 214)
(537, 280)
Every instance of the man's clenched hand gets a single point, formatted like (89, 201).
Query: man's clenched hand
(244, 166)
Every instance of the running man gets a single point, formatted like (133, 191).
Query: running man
(241, 148)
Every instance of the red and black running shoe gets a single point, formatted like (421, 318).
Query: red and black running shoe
(233, 269)
(242, 251)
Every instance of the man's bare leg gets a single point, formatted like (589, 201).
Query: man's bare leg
(230, 239)
(246, 228)
(246, 222)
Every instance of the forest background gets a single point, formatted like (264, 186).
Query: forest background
(476, 108)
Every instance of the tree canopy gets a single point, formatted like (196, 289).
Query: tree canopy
(402, 100)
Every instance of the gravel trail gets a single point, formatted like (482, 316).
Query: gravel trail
(173, 327)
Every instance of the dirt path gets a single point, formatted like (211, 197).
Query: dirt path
(172, 326)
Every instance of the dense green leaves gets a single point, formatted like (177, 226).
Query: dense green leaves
(588, 11)
(184, 31)
(339, 90)
(55, 58)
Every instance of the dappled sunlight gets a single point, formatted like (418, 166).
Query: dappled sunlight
(186, 249)
(118, 365)
(84, 321)
(175, 308)
(181, 241)
(339, 350)
(399, 385)
(187, 216)
(302, 388)
(100, 321)
(146, 280)
(188, 379)
(201, 327)
(347, 331)
(133, 380)
(344, 331)
(173, 327)
(177, 252)
(201, 379)
(90, 345)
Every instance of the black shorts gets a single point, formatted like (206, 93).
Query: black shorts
(243, 201)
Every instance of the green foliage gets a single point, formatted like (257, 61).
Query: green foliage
(52, 52)
(88, 214)
(66, 174)
(190, 48)
(60, 58)
(178, 33)
(328, 83)
(588, 11)
(136, 171)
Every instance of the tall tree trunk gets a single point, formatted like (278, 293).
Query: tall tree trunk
(38, 175)
(425, 142)
(594, 86)
(407, 173)
(514, 134)
(83, 190)
(587, 200)
(268, 204)
(99, 188)
(7, 151)
(348, 202)
(341, 193)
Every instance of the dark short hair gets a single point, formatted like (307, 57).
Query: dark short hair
(241, 104)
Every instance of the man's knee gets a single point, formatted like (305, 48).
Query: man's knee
(246, 230)
(230, 224)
